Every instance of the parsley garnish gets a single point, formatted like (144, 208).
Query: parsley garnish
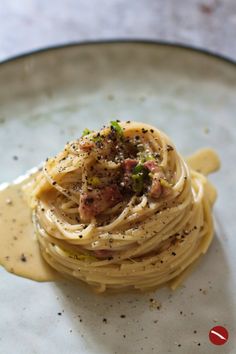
(86, 132)
(115, 126)
(140, 173)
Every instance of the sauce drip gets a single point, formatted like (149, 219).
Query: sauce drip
(19, 251)
(204, 160)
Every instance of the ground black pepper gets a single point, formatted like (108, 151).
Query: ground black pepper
(23, 258)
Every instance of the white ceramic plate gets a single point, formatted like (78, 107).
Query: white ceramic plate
(47, 98)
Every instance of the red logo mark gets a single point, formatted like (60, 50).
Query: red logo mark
(218, 335)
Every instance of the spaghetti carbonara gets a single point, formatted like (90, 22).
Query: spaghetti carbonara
(120, 209)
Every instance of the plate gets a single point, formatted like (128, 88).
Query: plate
(47, 98)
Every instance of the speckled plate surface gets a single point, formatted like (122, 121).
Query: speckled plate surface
(46, 99)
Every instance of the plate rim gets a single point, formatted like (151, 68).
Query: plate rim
(149, 42)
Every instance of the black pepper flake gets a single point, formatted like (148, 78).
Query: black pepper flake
(15, 157)
(173, 254)
(151, 130)
(59, 313)
(110, 258)
(42, 209)
(179, 345)
(122, 316)
(54, 182)
(181, 312)
(195, 331)
(199, 344)
(23, 258)
(89, 201)
(124, 335)
(169, 147)
(206, 9)
(104, 320)
(9, 201)
(80, 236)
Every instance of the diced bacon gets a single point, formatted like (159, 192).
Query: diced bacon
(129, 164)
(156, 189)
(103, 253)
(152, 166)
(92, 203)
(86, 145)
(166, 191)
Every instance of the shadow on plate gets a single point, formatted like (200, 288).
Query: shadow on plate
(132, 323)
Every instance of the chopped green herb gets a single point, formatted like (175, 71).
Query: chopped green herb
(97, 138)
(149, 158)
(140, 173)
(116, 126)
(137, 184)
(165, 183)
(138, 168)
(145, 156)
(86, 132)
(94, 181)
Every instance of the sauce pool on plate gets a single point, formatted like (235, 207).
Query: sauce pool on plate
(19, 249)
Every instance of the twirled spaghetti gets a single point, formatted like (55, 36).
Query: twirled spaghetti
(121, 209)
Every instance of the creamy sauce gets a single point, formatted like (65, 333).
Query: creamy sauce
(204, 160)
(19, 249)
